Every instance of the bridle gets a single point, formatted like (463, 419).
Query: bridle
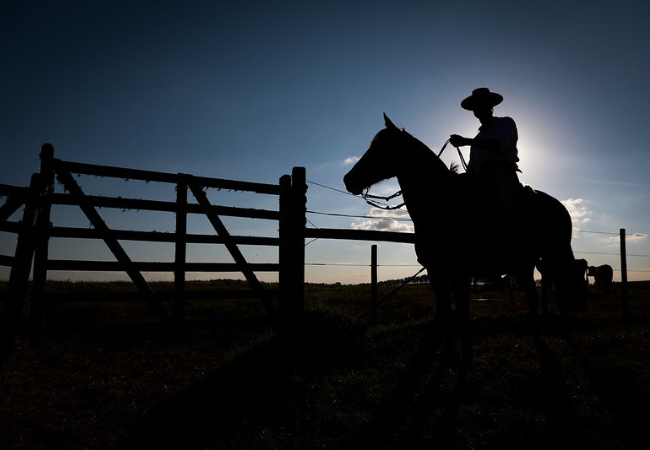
(369, 200)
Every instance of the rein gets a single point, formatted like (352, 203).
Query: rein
(369, 197)
(462, 158)
(374, 307)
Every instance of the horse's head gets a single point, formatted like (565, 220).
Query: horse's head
(378, 163)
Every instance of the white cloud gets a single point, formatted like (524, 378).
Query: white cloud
(629, 239)
(385, 221)
(578, 211)
(635, 237)
(383, 225)
(351, 160)
(575, 233)
(393, 213)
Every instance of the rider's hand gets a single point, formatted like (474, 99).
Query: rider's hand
(458, 141)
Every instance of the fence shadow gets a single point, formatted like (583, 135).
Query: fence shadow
(252, 389)
(400, 417)
(268, 388)
(260, 388)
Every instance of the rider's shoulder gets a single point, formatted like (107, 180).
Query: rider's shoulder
(504, 119)
(504, 123)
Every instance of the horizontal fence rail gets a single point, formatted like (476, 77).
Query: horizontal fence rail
(163, 177)
(158, 236)
(360, 235)
(112, 266)
(155, 205)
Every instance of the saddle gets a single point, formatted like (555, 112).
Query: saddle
(498, 236)
(477, 237)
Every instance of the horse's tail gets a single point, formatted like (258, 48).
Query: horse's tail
(558, 259)
(570, 284)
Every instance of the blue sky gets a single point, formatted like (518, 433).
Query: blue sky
(247, 90)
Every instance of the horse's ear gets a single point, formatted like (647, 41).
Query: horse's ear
(388, 122)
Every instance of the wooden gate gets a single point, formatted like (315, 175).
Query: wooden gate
(35, 231)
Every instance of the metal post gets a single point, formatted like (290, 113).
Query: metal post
(623, 273)
(373, 282)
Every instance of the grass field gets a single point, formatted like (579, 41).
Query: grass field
(231, 380)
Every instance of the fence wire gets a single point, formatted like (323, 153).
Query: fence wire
(408, 219)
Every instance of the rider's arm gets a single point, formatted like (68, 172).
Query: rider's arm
(488, 144)
(493, 145)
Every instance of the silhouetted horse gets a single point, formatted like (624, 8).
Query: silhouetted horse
(450, 241)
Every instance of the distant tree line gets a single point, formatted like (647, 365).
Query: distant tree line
(423, 279)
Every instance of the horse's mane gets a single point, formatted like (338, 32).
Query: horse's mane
(390, 130)
(453, 168)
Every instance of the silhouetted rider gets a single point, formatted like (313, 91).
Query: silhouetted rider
(493, 156)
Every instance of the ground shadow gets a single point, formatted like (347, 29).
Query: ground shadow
(261, 388)
(399, 418)
(520, 390)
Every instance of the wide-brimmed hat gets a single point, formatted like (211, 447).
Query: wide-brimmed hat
(481, 96)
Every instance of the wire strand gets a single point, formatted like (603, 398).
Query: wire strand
(331, 188)
(399, 219)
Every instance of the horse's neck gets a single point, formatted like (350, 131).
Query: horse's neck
(422, 178)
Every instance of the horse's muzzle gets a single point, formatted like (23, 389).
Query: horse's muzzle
(353, 187)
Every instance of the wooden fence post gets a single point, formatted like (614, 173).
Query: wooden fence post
(42, 239)
(19, 277)
(284, 252)
(299, 196)
(623, 272)
(373, 282)
(292, 242)
(180, 257)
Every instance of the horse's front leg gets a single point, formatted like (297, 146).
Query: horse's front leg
(460, 287)
(527, 283)
(443, 317)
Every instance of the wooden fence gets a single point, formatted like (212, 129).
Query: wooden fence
(35, 230)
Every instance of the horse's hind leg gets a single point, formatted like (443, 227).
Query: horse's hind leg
(571, 292)
(527, 282)
(546, 289)
(570, 286)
